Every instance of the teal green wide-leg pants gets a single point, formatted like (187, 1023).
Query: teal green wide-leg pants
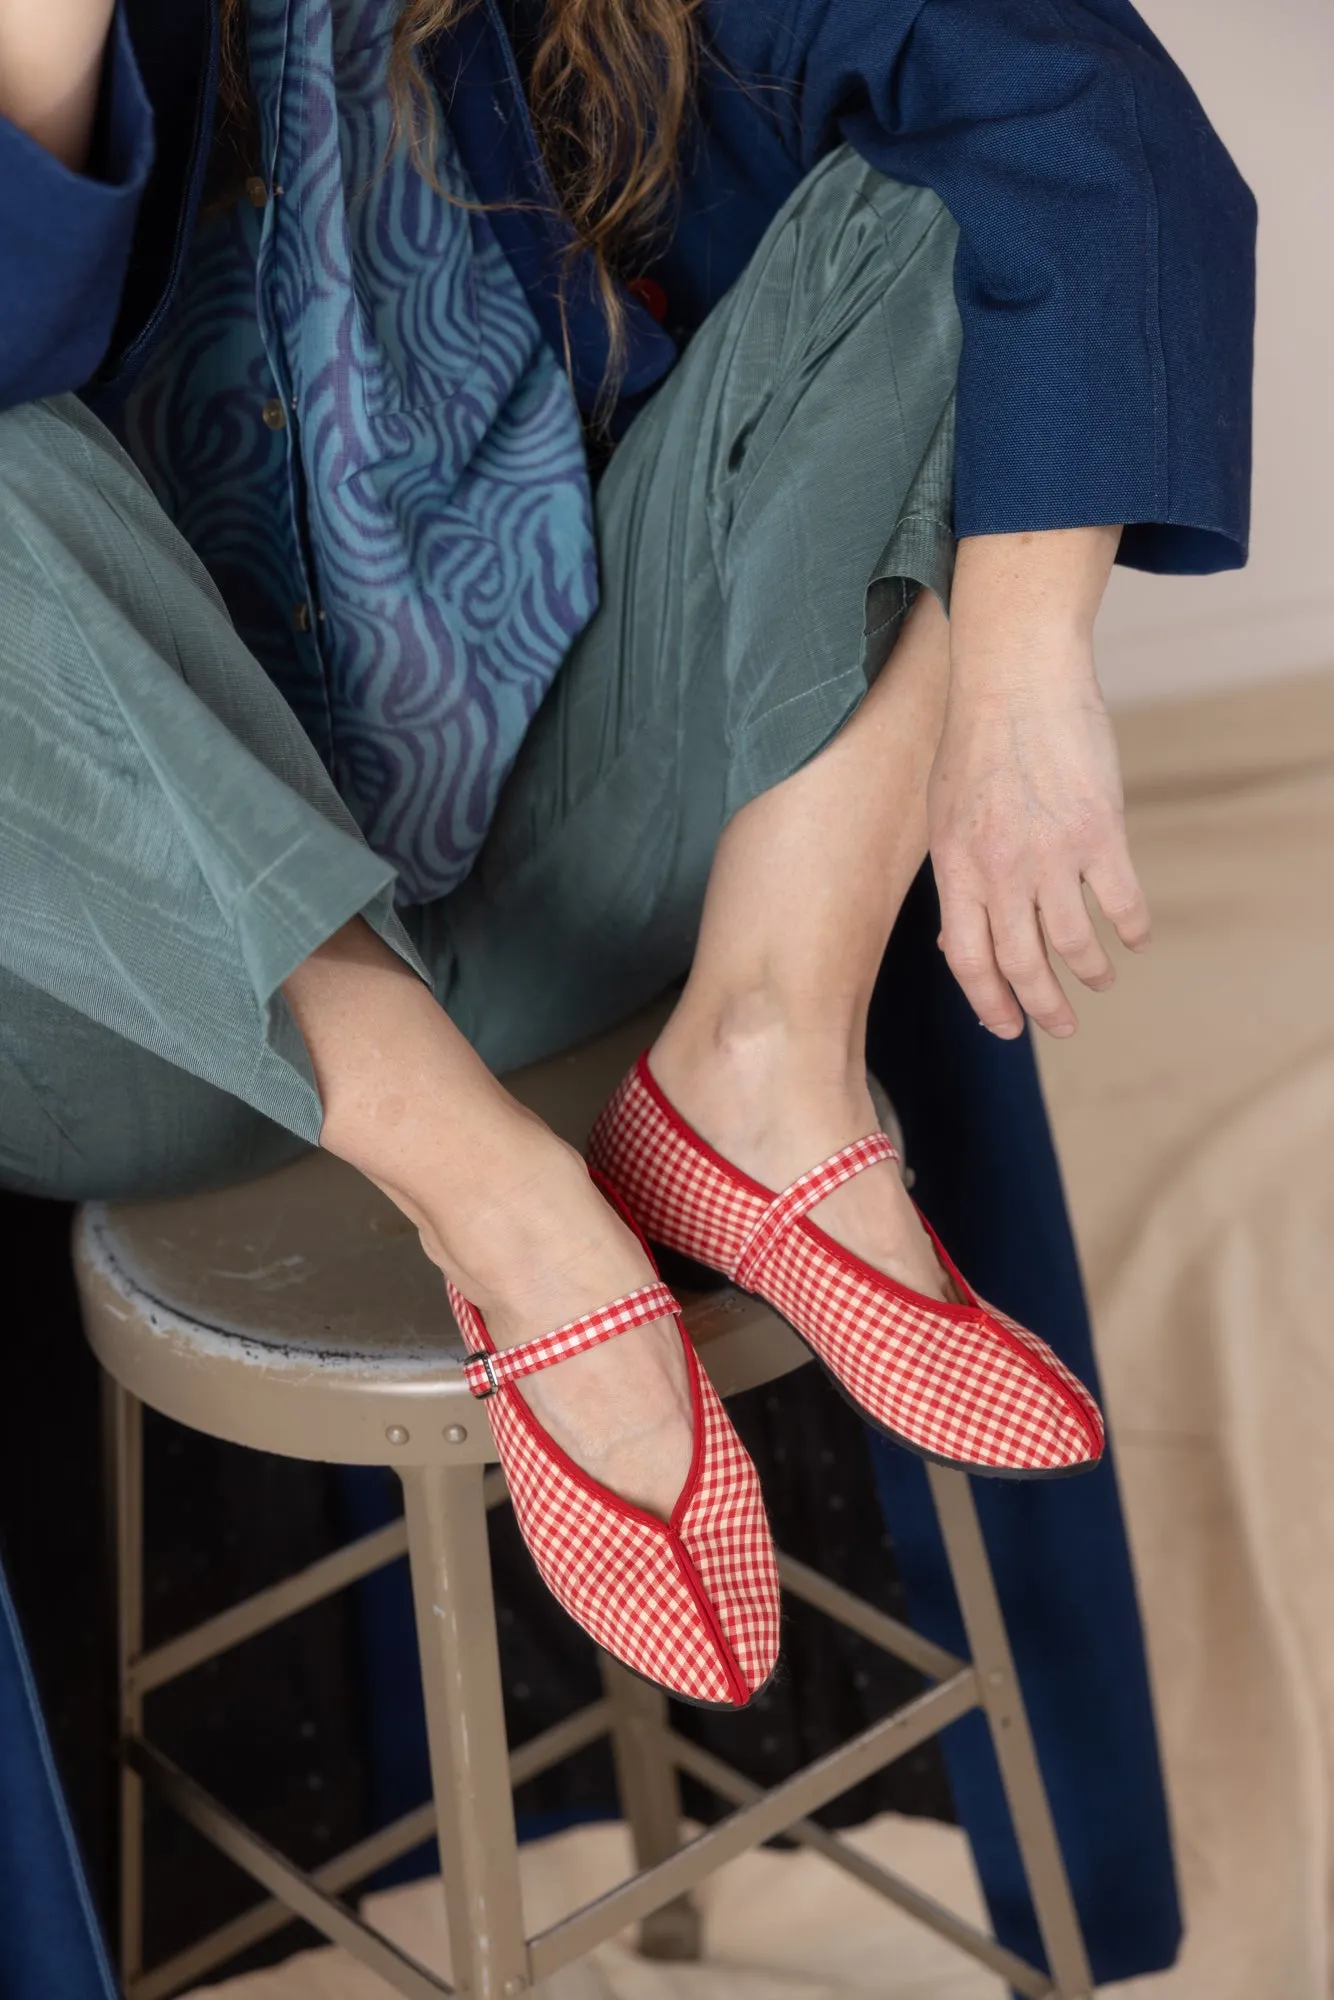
(171, 848)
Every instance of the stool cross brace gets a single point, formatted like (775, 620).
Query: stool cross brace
(473, 1774)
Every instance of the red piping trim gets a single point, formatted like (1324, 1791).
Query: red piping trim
(562, 1457)
(738, 1686)
(971, 1312)
(584, 1479)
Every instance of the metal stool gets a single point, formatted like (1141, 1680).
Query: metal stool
(297, 1314)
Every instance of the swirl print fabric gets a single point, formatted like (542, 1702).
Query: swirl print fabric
(354, 420)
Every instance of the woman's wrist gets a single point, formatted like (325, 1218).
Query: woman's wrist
(1023, 608)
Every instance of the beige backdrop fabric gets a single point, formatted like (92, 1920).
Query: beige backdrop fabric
(1195, 1115)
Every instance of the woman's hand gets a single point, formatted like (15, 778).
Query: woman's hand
(1024, 804)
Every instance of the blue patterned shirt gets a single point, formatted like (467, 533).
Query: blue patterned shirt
(355, 421)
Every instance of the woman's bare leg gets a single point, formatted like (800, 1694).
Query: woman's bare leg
(502, 1204)
(765, 1054)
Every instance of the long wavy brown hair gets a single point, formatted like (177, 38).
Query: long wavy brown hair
(611, 90)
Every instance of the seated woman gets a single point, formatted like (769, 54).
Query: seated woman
(357, 746)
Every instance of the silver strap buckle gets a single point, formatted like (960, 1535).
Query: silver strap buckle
(489, 1370)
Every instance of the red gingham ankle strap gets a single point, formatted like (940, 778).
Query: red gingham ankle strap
(491, 1369)
(804, 1194)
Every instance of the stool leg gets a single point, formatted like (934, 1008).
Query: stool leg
(465, 1720)
(1030, 1811)
(123, 1418)
(650, 1802)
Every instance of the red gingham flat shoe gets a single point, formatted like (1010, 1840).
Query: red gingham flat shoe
(960, 1384)
(691, 1603)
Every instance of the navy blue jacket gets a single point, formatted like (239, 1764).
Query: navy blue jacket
(1105, 275)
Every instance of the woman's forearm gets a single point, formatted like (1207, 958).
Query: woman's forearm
(50, 71)
(1023, 606)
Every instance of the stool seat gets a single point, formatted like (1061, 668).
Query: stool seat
(298, 1313)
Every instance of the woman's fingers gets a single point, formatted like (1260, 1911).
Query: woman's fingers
(999, 958)
(965, 939)
(1114, 882)
(1021, 955)
(998, 950)
(1024, 809)
(1070, 933)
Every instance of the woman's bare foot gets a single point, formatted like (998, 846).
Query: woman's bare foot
(502, 1205)
(774, 1106)
(621, 1410)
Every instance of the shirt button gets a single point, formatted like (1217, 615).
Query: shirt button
(257, 190)
(301, 617)
(273, 413)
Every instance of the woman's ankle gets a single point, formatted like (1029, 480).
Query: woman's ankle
(750, 1065)
(503, 1205)
(538, 1250)
(775, 1099)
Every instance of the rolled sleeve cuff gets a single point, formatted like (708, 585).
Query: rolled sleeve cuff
(65, 238)
(1029, 460)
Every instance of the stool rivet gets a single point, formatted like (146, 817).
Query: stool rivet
(996, 1677)
(396, 1434)
(456, 1434)
(513, 1987)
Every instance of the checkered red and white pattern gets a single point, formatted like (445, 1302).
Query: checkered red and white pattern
(691, 1603)
(962, 1383)
(804, 1194)
(496, 1366)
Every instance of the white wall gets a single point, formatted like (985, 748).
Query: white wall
(1264, 70)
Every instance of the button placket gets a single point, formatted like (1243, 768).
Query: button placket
(280, 411)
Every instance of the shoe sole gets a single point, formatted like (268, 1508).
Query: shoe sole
(686, 1274)
(696, 1700)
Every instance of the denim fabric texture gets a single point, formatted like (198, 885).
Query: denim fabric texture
(51, 1945)
(1106, 269)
